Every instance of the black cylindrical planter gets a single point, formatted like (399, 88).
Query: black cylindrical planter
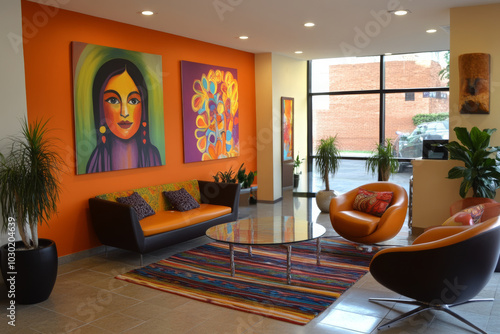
(30, 275)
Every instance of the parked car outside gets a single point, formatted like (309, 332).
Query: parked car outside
(409, 146)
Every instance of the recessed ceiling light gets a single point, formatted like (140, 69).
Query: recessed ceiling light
(298, 52)
(147, 12)
(399, 12)
(430, 31)
(309, 24)
(388, 54)
(243, 37)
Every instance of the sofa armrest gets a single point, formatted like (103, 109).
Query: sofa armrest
(227, 194)
(116, 224)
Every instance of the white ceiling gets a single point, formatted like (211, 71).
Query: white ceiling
(343, 27)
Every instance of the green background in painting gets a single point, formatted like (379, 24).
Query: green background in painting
(87, 59)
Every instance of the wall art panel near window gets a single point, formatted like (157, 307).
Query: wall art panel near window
(287, 128)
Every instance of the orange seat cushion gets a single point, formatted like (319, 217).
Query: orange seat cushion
(164, 221)
(355, 223)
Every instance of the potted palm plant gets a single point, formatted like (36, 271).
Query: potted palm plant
(327, 162)
(481, 170)
(296, 172)
(29, 192)
(383, 161)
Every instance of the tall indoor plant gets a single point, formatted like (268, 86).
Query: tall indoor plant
(29, 193)
(383, 161)
(327, 162)
(481, 170)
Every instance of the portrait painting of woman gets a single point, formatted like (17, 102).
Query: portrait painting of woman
(121, 115)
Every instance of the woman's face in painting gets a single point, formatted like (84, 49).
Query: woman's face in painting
(122, 106)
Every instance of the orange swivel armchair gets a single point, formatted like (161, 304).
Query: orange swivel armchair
(468, 202)
(363, 227)
(443, 268)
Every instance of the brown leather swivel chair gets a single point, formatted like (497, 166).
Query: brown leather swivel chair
(443, 268)
(365, 228)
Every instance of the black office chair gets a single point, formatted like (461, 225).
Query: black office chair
(443, 268)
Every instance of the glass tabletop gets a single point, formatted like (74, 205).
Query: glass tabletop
(266, 231)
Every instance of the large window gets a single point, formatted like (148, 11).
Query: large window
(364, 100)
(350, 74)
(352, 118)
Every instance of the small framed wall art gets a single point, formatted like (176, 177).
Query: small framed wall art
(287, 104)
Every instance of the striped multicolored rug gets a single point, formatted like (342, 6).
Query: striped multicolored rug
(259, 285)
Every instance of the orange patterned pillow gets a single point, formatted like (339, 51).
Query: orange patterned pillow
(372, 202)
(475, 212)
(459, 219)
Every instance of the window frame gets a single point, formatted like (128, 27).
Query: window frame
(382, 91)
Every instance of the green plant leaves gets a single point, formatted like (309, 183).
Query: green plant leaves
(383, 158)
(240, 176)
(327, 159)
(480, 172)
(29, 179)
(464, 137)
(456, 172)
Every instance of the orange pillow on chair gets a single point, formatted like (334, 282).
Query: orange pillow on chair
(475, 212)
(372, 202)
(468, 216)
(459, 219)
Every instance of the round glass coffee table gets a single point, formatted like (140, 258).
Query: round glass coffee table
(277, 230)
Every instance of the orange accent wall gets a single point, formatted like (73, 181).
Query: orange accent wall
(48, 33)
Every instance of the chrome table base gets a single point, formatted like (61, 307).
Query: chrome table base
(288, 258)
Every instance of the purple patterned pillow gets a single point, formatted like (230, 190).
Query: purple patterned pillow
(181, 200)
(141, 207)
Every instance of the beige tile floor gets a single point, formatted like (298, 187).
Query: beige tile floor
(87, 299)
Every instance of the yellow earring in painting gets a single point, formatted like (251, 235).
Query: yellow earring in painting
(102, 130)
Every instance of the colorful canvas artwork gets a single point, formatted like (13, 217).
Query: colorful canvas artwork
(210, 112)
(118, 106)
(287, 127)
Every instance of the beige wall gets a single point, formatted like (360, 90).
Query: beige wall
(475, 30)
(290, 80)
(12, 86)
(472, 30)
(277, 76)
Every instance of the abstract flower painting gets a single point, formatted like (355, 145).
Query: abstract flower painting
(210, 112)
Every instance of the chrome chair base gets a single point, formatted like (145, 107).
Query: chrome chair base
(425, 306)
